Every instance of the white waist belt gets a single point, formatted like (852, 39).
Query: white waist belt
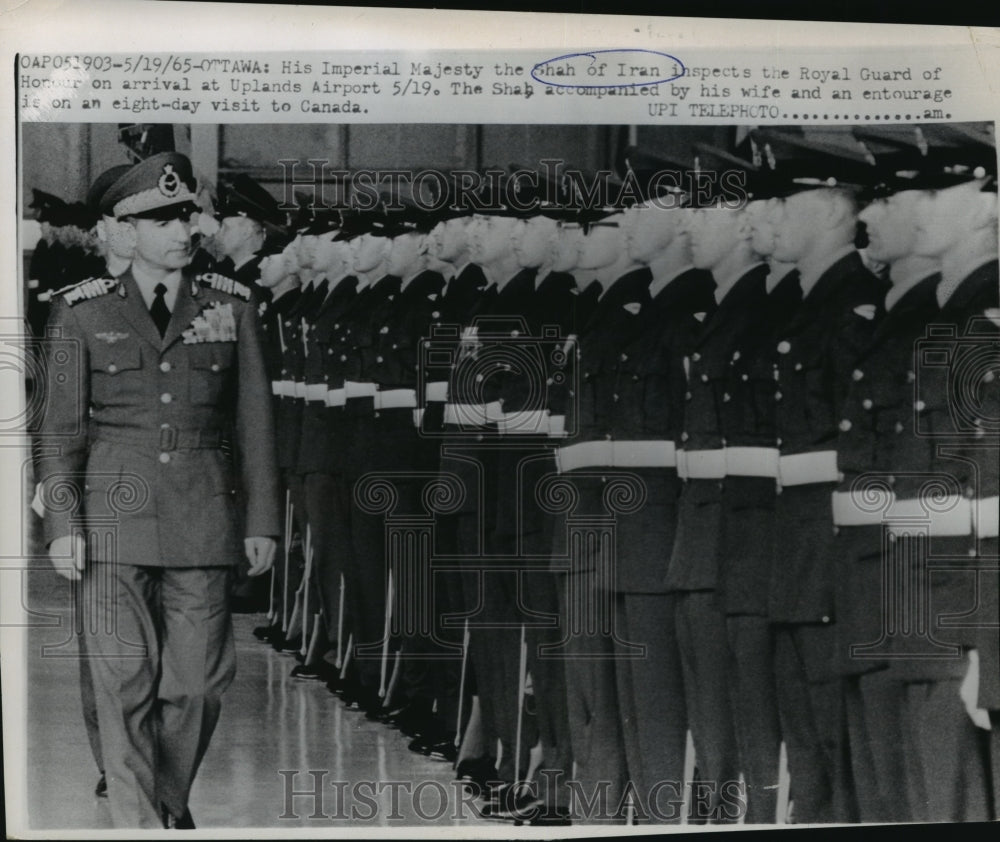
(275, 387)
(557, 426)
(643, 454)
(286, 388)
(701, 464)
(336, 397)
(396, 398)
(528, 422)
(804, 468)
(752, 461)
(436, 391)
(987, 517)
(316, 391)
(952, 516)
(847, 512)
(353, 389)
(478, 414)
(586, 454)
(299, 389)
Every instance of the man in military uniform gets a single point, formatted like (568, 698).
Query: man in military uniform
(649, 387)
(169, 365)
(814, 355)
(247, 215)
(945, 711)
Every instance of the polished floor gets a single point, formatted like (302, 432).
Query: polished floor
(274, 732)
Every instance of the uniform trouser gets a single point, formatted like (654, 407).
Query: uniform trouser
(89, 704)
(289, 570)
(706, 663)
(328, 514)
(548, 676)
(755, 710)
(873, 704)
(652, 707)
(592, 704)
(811, 707)
(163, 654)
(946, 755)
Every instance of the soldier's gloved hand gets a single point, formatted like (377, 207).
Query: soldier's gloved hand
(969, 693)
(260, 554)
(68, 556)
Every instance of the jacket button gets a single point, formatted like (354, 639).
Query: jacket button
(635, 378)
(379, 359)
(777, 396)
(845, 425)
(687, 396)
(704, 378)
(857, 374)
(165, 366)
(684, 437)
(112, 368)
(867, 403)
(615, 398)
(920, 406)
(826, 619)
(725, 397)
(798, 366)
(164, 458)
(836, 530)
(696, 356)
(623, 358)
(899, 427)
(215, 366)
(166, 397)
(744, 377)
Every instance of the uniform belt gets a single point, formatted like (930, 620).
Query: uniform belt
(986, 514)
(701, 464)
(585, 454)
(276, 387)
(166, 438)
(336, 397)
(805, 468)
(316, 392)
(848, 511)
(436, 391)
(396, 399)
(299, 389)
(951, 516)
(643, 454)
(286, 388)
(354, 389)
(527, 422)
(472, 414)
(752, 461)
(557, 426)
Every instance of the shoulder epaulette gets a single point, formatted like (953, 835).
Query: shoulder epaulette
(90, 288)
(213, 280)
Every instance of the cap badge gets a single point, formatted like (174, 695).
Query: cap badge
(169, 183)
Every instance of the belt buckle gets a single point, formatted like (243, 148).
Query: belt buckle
(168, 438)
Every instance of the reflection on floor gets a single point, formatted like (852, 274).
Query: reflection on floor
(270, 724)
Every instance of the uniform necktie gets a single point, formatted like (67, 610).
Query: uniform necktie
(159, 311)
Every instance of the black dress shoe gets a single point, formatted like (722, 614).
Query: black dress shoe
(101, 790)
(311, 672)
(479, 769)
(267, 633)
(443, 749)
(290, 645)
(172, 822)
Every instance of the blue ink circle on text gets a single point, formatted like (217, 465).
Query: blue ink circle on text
(591, 70)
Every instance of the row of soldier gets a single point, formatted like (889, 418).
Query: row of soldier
(614, 499)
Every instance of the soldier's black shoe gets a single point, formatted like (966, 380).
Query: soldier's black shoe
(480, 769)
(101, 790)
(311, 672)
(277, 640)
(443, 749)
(172, 822)
(413, 721)
(290, 645)
(266, 634)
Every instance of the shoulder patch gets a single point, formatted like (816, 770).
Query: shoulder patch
(213, 280)
(866, 311)
(90, 288)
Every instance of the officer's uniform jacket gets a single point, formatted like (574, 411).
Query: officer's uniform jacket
(650, 385)
(956, 385)
(139, 421)
(440, 352)
(292, 329)
(588, 454)
(748, 524)
(694, 564)
(814, 357)
(877, 449)
(321, 439)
